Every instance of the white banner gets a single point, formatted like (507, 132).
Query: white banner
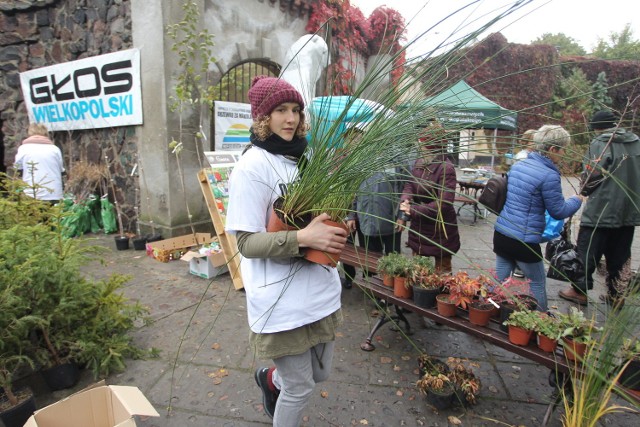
(232, 122)
(98, 92)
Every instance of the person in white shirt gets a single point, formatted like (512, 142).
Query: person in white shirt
(41, 164)
(527, 145)
(293, 305)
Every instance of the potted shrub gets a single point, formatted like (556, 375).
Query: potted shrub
(521, 324)
(16, 406)
(426, 284)
(387, 267)
(462, 289)
(438, 388)
(466, 383)
(549, 331)
(577, 333)
(630, 373)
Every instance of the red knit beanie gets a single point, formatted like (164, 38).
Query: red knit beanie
(267, 93)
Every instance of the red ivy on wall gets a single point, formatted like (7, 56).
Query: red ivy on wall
(351, 35)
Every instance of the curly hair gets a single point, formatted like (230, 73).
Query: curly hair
(262, 130)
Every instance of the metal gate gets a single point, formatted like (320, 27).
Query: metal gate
(235, 83)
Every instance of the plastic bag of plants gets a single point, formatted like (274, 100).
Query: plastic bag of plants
(77, 220)
(95, 218)
(108, 213)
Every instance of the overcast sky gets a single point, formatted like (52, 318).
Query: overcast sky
(583, 20)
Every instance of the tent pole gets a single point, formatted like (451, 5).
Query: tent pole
(493, 148)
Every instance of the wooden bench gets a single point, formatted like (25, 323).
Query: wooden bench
(360, 258)
(490, 333)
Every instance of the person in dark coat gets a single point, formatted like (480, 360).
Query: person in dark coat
(611, 179)
(428, 199)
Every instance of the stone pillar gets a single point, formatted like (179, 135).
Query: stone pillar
(169, 188)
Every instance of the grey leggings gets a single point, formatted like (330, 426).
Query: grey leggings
(296, 377)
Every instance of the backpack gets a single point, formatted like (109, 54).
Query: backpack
(494, 194)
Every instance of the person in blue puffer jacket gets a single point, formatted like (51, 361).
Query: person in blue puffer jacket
(533, 187)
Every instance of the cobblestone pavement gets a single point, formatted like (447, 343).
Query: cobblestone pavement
(205, 371)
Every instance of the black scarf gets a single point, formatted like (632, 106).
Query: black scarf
(276, 145)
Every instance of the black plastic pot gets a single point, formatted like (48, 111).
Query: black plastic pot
(630, 376)
(506, 308)
(61, 376)
(17, 415)
(139, 243)
(425, 298)
(153, 237)
(122, 243)
(442, 399)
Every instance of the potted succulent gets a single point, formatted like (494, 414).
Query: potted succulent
(577, 333)
(521, 324)
(549, 331)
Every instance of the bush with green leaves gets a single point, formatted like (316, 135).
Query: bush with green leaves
(71, 317)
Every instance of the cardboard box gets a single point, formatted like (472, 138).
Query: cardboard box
(206, 266)
(173, 249)
(98, 406)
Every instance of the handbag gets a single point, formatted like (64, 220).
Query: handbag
(553, 227)
(564, 262)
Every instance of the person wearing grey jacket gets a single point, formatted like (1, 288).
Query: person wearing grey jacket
(611, 179)
(373, 215)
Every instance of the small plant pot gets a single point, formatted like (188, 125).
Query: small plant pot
(400, 289)
(480, 315)
(122, 243)
(18, 415)
(387, 280)
(425, 298)
(630, 376)
(139, 243)
(62, 376)
(445, 308)
(547, 344)
(519, 336)
(435, 365)
(573, 350)
(506, 308)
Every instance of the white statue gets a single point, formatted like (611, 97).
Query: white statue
(303, 64)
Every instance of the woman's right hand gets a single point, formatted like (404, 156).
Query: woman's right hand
(321, 236)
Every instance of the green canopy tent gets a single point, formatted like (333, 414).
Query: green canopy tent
(462, 107)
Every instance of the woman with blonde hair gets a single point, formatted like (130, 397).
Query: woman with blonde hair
(533, 187)
(40, 162)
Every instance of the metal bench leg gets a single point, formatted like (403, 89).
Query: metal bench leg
(564, 383)
(367, 345)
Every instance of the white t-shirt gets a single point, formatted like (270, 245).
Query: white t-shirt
(282, 294)
(46, 162)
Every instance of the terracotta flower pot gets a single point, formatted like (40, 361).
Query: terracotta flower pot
(573, 350)
(400, 289)
(480, 315)
(387, 280)
(321, 257)
(445, 308)
(547, 344)
(519, 336)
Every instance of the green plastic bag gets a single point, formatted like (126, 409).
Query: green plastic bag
(77, 220)
(94, 214)
(108, 213)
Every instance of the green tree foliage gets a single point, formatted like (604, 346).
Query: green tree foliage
(600, 98)
(573, 92)
(620, 45)
(565, 45)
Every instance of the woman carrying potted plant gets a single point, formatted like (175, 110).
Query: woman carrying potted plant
(293, 305)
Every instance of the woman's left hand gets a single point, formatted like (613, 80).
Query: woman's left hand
(321, 236)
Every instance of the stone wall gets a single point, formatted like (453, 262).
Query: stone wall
(39, 33)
